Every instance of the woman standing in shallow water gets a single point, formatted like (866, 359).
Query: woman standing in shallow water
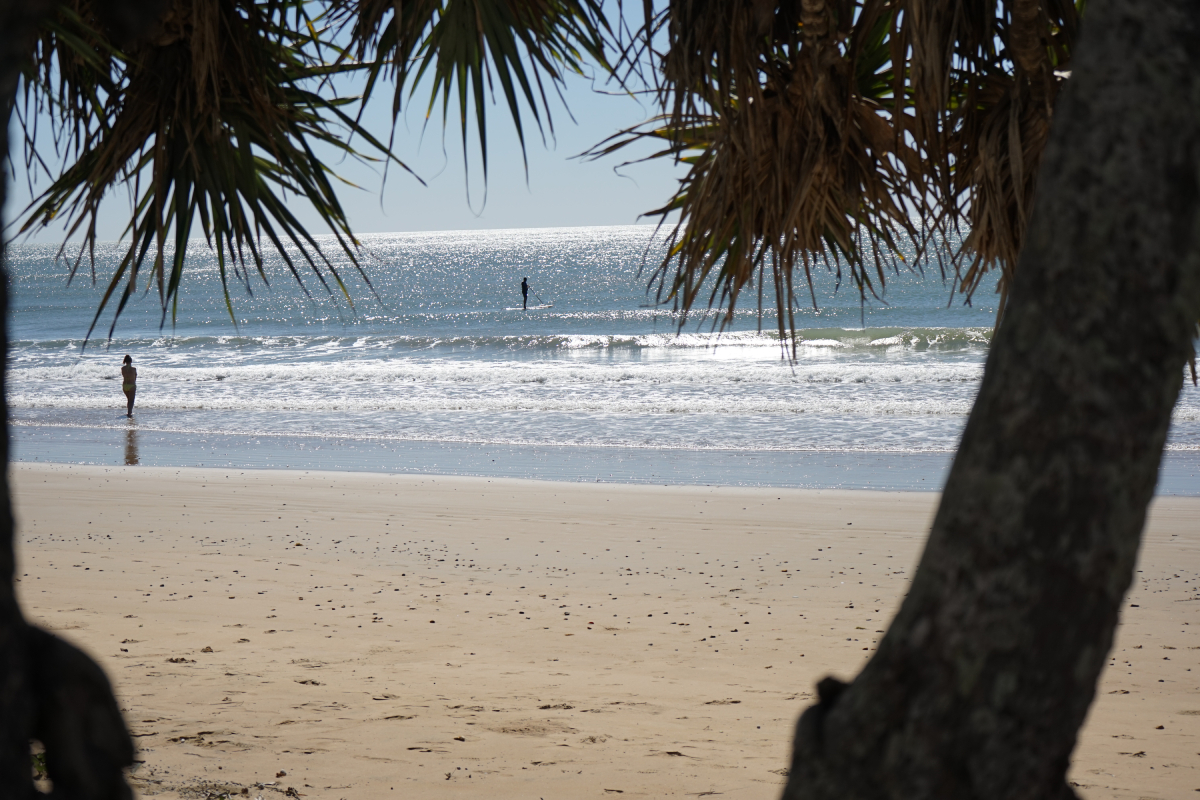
(129, 383)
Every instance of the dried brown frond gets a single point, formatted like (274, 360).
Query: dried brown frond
(785, 188)
(794, 160)
(830, 123)
(982, 79)
(995, 134)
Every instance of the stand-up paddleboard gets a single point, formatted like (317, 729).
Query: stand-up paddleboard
(531, 308)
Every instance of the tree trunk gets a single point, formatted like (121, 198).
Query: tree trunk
(49, 690)
(15, 706)
(1026, 37)
(980, 685)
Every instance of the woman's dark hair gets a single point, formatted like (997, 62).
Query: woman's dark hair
(128, 359)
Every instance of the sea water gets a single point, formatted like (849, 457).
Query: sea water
(434, 367)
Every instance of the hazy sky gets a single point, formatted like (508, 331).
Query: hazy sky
(560, 191)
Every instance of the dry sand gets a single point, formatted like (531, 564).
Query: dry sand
(384, 636)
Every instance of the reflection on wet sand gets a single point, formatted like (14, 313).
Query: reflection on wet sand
(131, 447)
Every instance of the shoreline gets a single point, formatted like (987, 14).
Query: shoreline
(796, 469)
(799, 469)
(380, 633)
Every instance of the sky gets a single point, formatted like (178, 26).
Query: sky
(559, 189)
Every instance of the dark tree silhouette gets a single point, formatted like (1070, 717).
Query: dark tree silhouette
(981, 683)
(50, 691)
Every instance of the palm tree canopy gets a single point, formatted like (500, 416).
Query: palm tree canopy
(834, 132)
(213, 117)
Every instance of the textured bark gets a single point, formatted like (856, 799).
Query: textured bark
(980, 686)
(1027, 37)
(49, 690)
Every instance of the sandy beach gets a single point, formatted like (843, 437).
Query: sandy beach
(341, 635)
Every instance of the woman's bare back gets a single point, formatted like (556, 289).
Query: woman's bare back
(128, 385)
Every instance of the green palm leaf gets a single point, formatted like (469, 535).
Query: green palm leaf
(213, 119)
(468, 47)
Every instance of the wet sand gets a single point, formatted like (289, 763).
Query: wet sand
(358, 636)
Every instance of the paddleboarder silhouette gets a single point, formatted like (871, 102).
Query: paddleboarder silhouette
(525, 293)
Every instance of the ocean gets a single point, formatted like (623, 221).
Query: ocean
(436, 368)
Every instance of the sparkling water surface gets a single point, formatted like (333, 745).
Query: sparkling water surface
(437, 356)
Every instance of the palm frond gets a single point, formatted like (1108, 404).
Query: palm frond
(73, 70)
(214, 117)
(996, 129)
(467, 47)
(832, 131)
(799, 168)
